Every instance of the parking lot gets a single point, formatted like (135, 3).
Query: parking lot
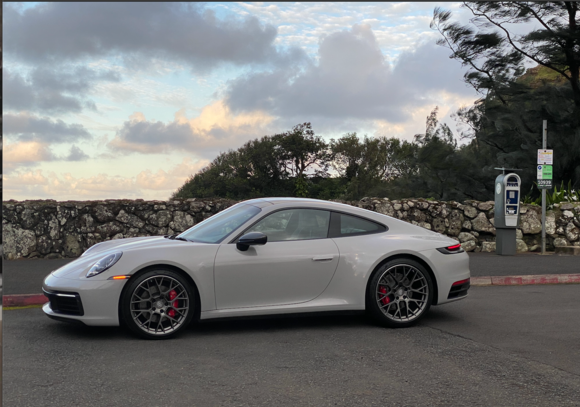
(501, 346)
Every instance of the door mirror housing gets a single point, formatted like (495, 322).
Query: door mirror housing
(251, 239)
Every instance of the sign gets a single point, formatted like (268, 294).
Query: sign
(544, 184)
(546, 157)
(544, 172)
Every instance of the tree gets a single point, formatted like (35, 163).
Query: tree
(300, 150)
(504, 126)
(366, 164)
(278, 165)
(495, 53)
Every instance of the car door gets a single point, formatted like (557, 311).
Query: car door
(294, 266)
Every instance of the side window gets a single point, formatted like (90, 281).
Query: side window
(294, 224)
(346, 225)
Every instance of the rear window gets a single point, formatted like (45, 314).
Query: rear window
(346, 225)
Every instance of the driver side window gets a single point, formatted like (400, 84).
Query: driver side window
(294, 224)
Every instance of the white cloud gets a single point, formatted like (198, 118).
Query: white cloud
(216, 128)
(147, 184)
(351, 81)
(25, 153)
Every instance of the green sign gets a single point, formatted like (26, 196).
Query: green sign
(546, 172)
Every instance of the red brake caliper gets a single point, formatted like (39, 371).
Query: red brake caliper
(385, 300)
(172, 295)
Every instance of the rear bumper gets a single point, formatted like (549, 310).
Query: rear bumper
(449, 269)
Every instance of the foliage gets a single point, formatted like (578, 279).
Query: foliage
(565, 194)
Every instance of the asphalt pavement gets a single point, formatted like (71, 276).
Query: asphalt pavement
(508, 346)
(26, 276)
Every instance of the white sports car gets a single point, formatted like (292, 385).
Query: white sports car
(258, 257)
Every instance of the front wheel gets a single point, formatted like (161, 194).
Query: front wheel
(400, 293)
(158, 304)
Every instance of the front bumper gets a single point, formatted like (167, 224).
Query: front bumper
(98, 300)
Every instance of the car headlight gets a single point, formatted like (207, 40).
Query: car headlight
(103, 264)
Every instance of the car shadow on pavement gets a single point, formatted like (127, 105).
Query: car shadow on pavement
(438, 314)
(225, 326)
(280, 323)
(245, 325)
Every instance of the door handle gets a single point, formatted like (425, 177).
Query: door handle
(322, 258)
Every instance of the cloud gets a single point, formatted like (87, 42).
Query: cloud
(28, 178)
(52, 91)
(25, 153)
(169, 180)
(352, 80)
(215, 129)
(76, 154)
(28, 127)
(20, 94)
(147, 184)
(178, 32)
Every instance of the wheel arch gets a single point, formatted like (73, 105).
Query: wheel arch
(171, 267)
(412, 257)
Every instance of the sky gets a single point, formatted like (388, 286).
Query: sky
(128, 100)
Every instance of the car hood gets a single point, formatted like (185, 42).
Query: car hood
(81, 265)
(127, 244)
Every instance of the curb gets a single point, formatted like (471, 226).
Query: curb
(526, 280)
(23, 300)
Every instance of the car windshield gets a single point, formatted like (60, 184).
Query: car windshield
(219, 226)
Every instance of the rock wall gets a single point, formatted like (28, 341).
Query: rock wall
(51, 229)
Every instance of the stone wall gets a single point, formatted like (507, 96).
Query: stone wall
(51, 229)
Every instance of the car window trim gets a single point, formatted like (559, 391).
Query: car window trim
(287, 209)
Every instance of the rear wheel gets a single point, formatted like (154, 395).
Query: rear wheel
(158, 304)
(400, 293)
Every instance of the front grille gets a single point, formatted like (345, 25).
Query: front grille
(65, 302)
(459, 290)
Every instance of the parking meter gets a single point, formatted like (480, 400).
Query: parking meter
(507, 212)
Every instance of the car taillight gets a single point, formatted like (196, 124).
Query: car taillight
(456, 248)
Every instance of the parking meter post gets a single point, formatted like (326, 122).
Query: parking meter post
(544, 146)
(507, 211)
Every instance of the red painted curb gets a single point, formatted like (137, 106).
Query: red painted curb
(22, 300)
(526, 280)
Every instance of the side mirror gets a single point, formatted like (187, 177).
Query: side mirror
(251, 239)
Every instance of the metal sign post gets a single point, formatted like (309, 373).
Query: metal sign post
(544, 146)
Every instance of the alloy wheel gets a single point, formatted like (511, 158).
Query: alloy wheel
(402, 293)
(159, 305)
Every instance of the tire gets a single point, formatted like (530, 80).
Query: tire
(400, 293)
(158, 304)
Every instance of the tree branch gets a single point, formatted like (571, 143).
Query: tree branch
(509, 38)
(546, 26)
(470, 62)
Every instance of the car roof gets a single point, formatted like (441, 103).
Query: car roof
(329, 205)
